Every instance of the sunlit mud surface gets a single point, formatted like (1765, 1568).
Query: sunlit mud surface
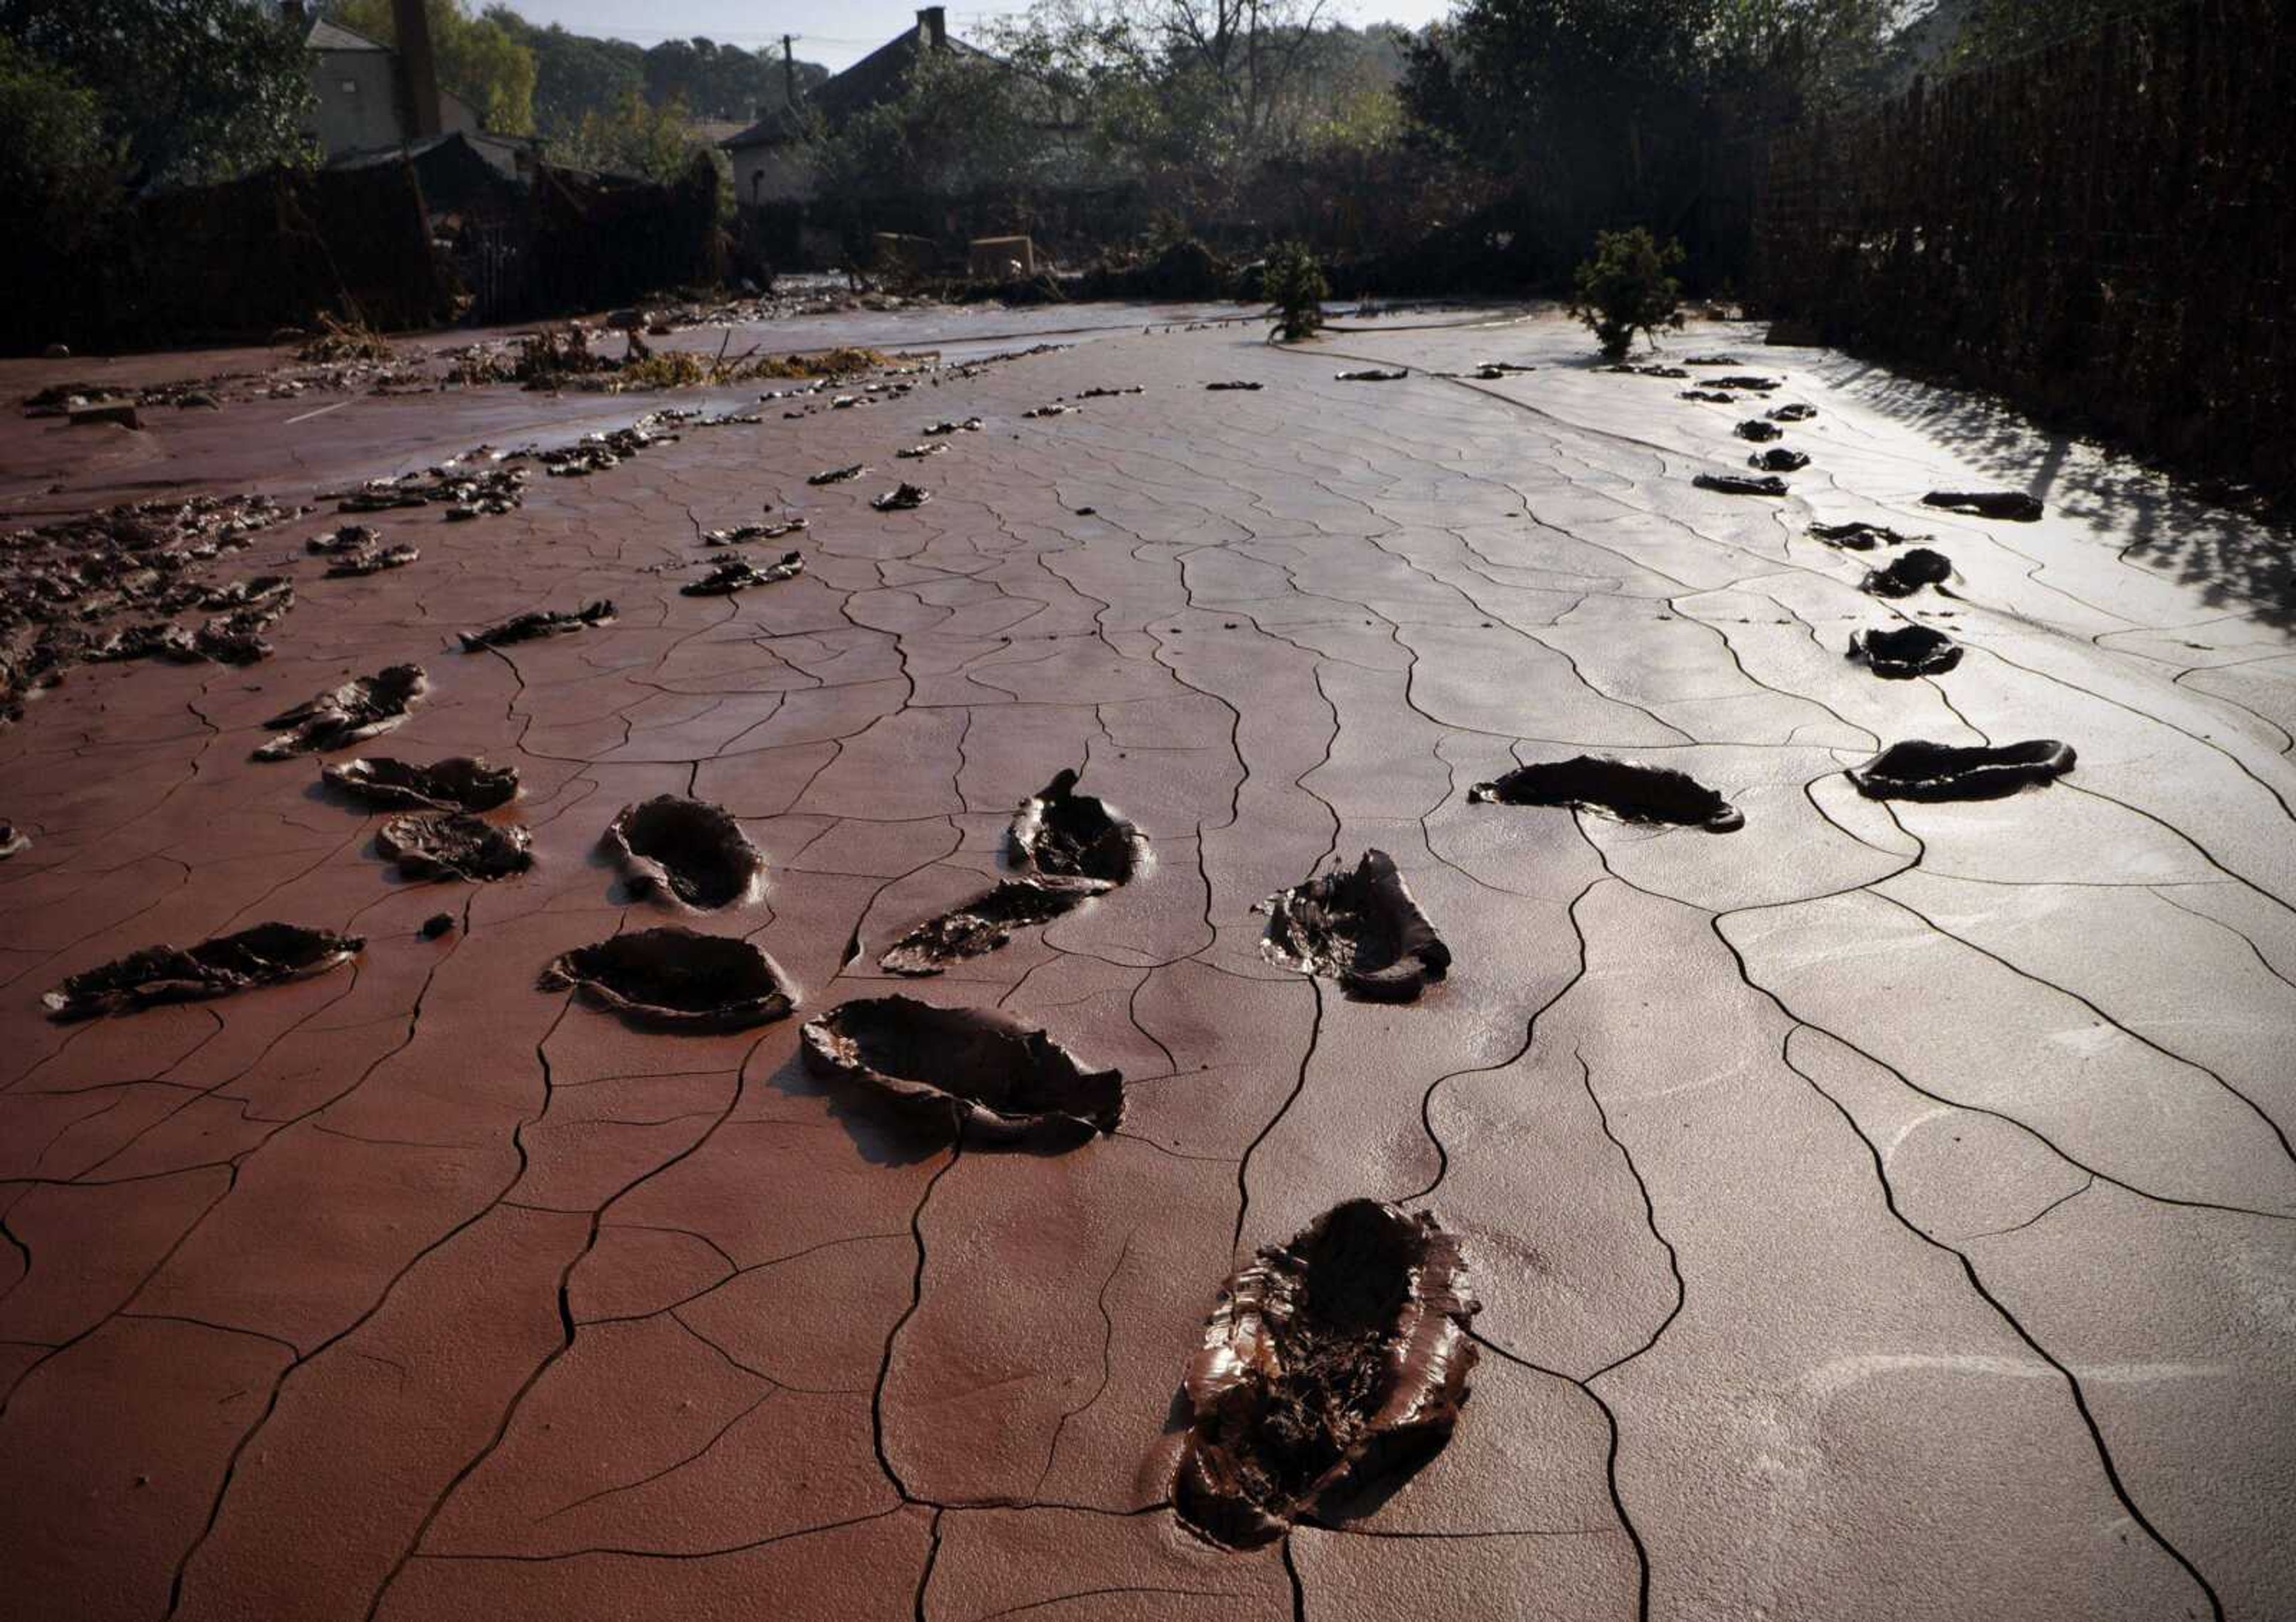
(1885, 1210)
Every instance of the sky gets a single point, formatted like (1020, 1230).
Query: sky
(835, 33)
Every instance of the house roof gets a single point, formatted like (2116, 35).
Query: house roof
(327, 35)
(876, 78)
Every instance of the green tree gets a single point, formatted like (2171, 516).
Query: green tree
(478, 59)
(188, 91)
(56, 166)
(632, 137)
(1626, 289)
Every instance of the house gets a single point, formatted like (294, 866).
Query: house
(771, 162)
(366, 103)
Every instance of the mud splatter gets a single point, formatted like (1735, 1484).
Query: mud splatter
(1914, 650)
(1628, 790)
(970, 1073)
(455, 844)
(1072, 835)
(980, 926)
(268, 954)
(1918, 769)
(460, 782)
(1908, 573)
(538, 623)
(1332, 1367)
(1361, 927)
(672, 978)
(349, 714)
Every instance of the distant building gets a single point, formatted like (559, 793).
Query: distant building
(363, 104)
(770, 158)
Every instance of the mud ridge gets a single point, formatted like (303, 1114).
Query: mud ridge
(460, 782)
(455, 844)
(1860, 537)
(688, 851)
(268, 954)
(538, 623)
(739, 574)
(1919, 769)
(1908, 573)
(1738, 484)
(1359, 926)
(351, 713)
(974, 1074)
(980, 926)
(1067, 834)
(1628, 790)
(1332, 1367)
(2014, 505)
(671, 978)
(1913, 650)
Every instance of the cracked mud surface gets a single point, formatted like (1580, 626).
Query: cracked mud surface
(1885, 1210)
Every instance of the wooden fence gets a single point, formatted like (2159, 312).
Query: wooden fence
(2103, 232)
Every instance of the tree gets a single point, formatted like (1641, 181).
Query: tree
(1626, 289)
(189, 90)
(478, 59)
(632, 137)
(56, 166)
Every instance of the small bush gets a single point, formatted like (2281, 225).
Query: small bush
(1625, 289)
(1295, 288)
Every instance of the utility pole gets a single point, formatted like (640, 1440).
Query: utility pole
(789, 70)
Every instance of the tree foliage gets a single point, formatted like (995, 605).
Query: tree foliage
(632, 137)
(187, 91)
(1296, 289)
(480, 62)
(57, 168)
(1626, 289)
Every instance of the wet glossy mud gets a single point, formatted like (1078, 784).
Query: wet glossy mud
(985, 923)
(1628, 790)
(460, 782)
(1072, 835)
(538, 623)
(688, 851)
(2014, 505)
(1332, 1367)
(1360, 925)
(455, 844)
(673, 979)
(268, 954)
(351, 713)
(1918, 769)
(1909, 651)
(975, 1075)
(1908, 573)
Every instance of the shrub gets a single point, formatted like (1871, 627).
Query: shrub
(1295, 288)
(1625, 289)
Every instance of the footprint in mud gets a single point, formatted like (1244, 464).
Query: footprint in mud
(839, 476)
(1918, 769)
(1752, 385)
(1624, 370)
(1072, 835)
(460, 782)
(739, 574)
(349, 714)
(1361, 927)
(1109, 393)
(1710, 397)
(268, 954)
(903, 497)
(1908, 573)
(1755, 429)
(688, 851)
(1628, 790)
(673, 979)
(976, 1075)
(1914, 650)
(363, 561)
(1371, 375)
(970, 425)
(1738, 484)
(2014, 505)
(455, 844)
(12, 842)
(914, 453)
(1860, 537)
(1795, 412)
(976, 928)
(1778, 459)
(1332, 1369)
(1036, 412)
(538, 623)
(1236, 386)
(742, 532)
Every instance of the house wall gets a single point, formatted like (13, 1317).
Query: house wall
(778, 172)
(357, 102)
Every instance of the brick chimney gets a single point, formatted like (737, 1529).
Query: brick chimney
(418, 70)
(932, 27)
